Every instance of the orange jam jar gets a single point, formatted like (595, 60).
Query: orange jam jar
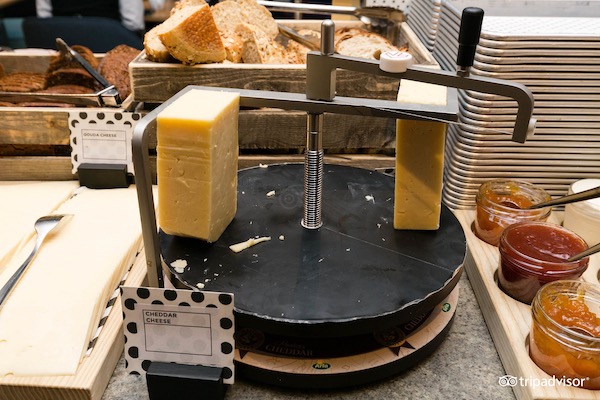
(565, 333)
(535, 253)
(501, 203)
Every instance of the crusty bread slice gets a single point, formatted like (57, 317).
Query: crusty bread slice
(259, 48)
(229, 14)
(260, 16)
(192, 37)
(296, 51)
(233, 46)
(154, 48)
(363, 44)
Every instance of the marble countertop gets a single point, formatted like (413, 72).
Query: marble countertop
(465, 366)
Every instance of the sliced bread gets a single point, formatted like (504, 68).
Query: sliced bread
(178, 5)
(356, 42)
(192, 37)
(233, 46)
(259, 48)
(154, 48)
(260, 16)
(229, 14)
(296, 51)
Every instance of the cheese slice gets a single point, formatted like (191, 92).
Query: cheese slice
(47, 321)
(419, 162)
(197, 157)
(22, 204)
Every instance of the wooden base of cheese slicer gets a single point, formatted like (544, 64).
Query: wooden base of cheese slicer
(351, 292)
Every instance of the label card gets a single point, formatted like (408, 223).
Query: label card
(181, 326)
(102, 137)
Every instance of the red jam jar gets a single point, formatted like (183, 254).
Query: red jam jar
(535, 253)
(501, 203)
(564, 340)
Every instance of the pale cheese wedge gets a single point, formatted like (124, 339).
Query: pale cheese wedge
(47, 321)
(22, 204)
(419, 161)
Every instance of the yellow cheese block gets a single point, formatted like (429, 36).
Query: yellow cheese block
(197, 157)
(419, 162)
(47, 321)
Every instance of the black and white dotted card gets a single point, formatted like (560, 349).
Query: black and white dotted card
(102, 137)
(180, 326)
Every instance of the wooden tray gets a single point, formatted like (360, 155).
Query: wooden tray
(94, 371)
(509, 321)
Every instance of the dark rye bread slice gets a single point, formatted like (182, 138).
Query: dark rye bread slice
(114, 67)
(71, 76)
(22, 82)
(62, 61)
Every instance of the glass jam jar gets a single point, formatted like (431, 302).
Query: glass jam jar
(583, 217)
(535, 253)
(500, 203)
(565, 334)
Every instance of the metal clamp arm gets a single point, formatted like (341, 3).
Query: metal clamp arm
(320, 83)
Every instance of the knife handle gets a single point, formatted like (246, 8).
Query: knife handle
(468, 37)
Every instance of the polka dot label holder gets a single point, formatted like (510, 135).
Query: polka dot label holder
(179, 326)
(101, 137)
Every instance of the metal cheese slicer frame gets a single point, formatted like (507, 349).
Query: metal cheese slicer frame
(320, 98)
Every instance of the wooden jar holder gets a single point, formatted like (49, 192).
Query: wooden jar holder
(509, 321)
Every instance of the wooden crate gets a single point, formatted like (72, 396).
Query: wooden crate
(157, 82)
(509, 320)
(271, 129)
(34, 143)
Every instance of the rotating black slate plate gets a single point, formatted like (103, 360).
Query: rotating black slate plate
(354, 275)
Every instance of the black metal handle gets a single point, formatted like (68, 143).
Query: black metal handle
(468, 37)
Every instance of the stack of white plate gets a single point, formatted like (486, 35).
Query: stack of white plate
(422, 17)
(558, 59)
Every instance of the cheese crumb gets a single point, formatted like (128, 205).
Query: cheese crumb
(370, 198)
(281, 237)
(179, 265)
(261, 165)
(271, 193)
(248, 243)
(200, 285)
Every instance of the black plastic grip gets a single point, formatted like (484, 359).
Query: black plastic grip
(468, 37)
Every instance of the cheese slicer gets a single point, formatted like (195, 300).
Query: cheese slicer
(42, 226)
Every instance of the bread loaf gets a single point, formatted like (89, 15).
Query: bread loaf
(259, 48)
(191, 36)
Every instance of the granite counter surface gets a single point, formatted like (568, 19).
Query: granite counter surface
(465, 366)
